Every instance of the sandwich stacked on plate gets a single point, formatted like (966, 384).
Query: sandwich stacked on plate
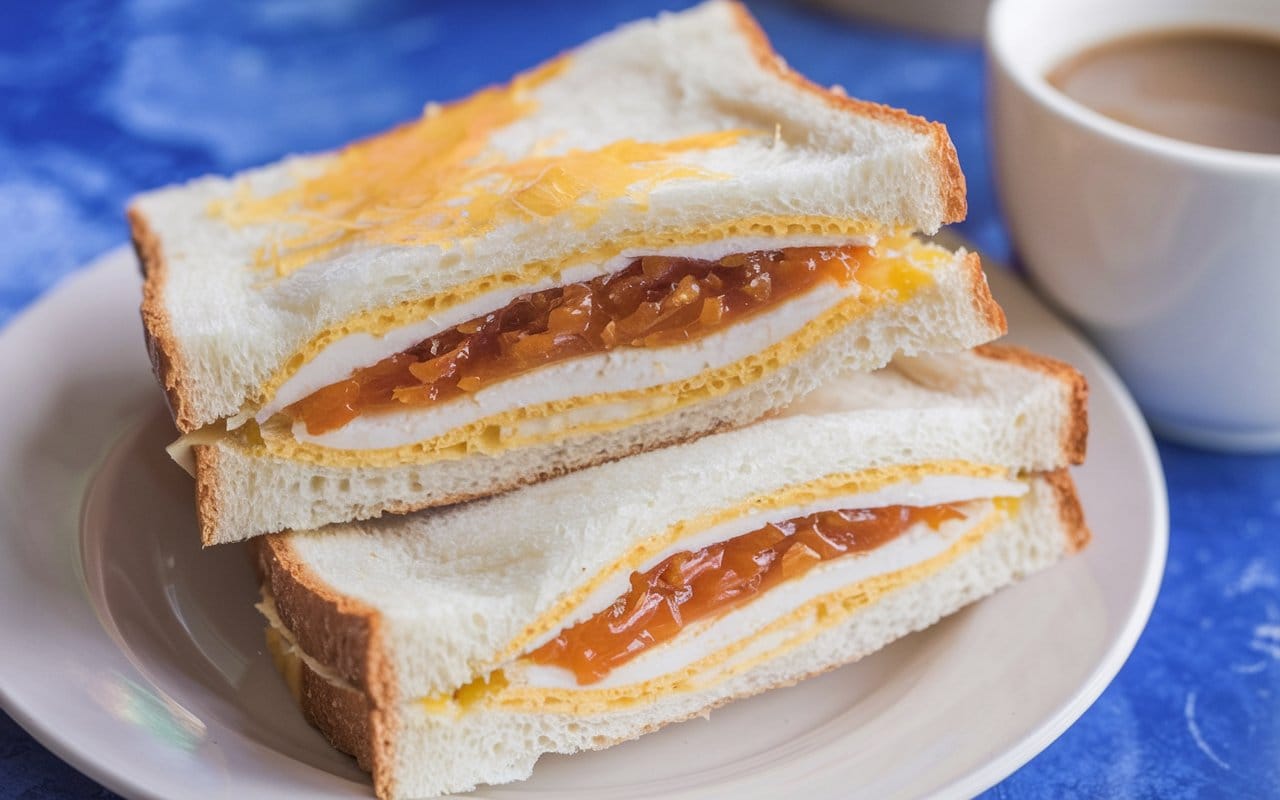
(450, 649)
(660, 241)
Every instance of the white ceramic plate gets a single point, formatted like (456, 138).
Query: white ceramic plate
(139, 659)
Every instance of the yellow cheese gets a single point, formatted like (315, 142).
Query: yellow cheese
(287, 662)
(469, 695)
(436, 181)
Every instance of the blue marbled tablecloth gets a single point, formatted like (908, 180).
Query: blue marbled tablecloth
(100, 100)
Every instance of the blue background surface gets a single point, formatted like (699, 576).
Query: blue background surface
(100, 100)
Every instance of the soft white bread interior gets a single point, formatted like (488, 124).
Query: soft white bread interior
(245, 489)
(415, 750)
(234, 297)
(417, 605)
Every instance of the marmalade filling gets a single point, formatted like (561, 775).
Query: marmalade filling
(655, 301)
(691, 586)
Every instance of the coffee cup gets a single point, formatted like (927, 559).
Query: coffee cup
(1162, 250)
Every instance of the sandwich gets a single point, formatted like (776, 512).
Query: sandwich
(661, 234)
(452, 647)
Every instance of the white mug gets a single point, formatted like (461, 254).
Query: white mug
(1166, 252)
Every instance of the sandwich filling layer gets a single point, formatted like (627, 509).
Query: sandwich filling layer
(654, 302)
(580, 386)
(380, 334)
(709, 650)
(920, 485)
(721, 598)
(590, 392)
(376, 333)
(688, 597)
(691, 586)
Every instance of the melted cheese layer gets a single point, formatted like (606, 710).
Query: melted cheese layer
(441, 180)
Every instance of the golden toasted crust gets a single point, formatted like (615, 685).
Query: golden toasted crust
(208, 492)
(340, 712)
(352, 725)
(985, 304)
(162, 345)
(345, 635)
(1075, 434)
(945, 160)
(1069, 510)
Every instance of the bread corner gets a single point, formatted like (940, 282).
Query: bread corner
(946, 162)
(1075, 432)
(340, 631)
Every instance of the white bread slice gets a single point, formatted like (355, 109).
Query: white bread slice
(415, 606)
(221, 328)
(415, 752)
(243, 491)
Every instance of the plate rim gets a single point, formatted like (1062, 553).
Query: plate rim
(81, 756)
(985, 776)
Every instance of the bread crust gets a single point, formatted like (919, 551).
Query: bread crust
(983, 302)
(162, 343)
(336, 629)
(946, 162)
(344, 633)
(351, 724)
(1075, 433)
(341, 713)
(1069, 510)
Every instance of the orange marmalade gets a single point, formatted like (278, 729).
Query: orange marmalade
(691, 586)
(655, 301)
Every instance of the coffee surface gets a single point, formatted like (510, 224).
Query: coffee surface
(1212, 87)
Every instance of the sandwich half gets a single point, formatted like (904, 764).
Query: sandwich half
(663, 233)
(453, 647)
